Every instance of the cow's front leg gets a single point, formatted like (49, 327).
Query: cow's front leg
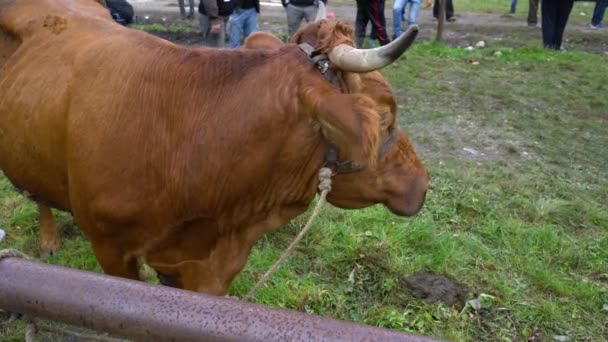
(114, 260)
(211, 275)
(205, 277)
(198, 259)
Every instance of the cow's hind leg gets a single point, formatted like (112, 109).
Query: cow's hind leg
(50, 240)
(114, 260)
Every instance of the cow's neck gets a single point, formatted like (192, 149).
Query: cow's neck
(250, 164)
(285, 193)
(218, 246)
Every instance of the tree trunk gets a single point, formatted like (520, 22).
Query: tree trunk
(440, 20)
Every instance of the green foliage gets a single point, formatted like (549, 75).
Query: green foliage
(157, 27)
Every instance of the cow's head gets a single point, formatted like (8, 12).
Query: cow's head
(389, 172)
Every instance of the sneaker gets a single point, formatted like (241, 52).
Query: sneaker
(598, 26)
(451, 19)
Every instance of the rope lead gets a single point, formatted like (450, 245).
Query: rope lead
(325, 187)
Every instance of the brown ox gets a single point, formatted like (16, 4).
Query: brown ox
(182, 157)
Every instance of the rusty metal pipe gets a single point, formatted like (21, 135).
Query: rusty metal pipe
(145, 312)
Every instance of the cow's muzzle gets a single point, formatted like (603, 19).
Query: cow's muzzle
(414, 198)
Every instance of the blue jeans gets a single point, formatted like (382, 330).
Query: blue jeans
(513, 5)
(598, 12)
(398, 8)
(242, 23)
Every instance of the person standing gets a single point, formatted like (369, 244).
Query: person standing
(298, 10)
(533, 13)
(555, 15)
(412, 14)
(214, 15)
(121, 11)
(371, 11)
(243, 21)
(182, 9)
(513, 6)
(449, 10)
(598, 14)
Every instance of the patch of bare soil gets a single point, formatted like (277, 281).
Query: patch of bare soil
(436, 288)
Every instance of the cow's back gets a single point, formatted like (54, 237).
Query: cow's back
(78, 90)
(40, 41)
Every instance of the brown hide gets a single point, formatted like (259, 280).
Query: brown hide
(174, 156)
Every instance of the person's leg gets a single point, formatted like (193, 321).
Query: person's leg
(398, 7)
(310, 13)
(360, 23)
(564, 9)
(598, 12)
(513, 6)
(413, 11)
(191, 12)
(449, 9)
(603, 4)
(375, 10)
(548, 10)
(533, 13)
(204, 20)
(218, 40)
(223, 33)
(235, 32)
(182, 8)
(251, 22)
(294, 17)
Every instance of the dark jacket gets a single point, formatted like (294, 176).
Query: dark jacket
(121, 11)
(247, 4)
(302, 3)
(216, 8)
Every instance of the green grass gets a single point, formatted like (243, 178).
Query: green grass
(523, 224)
(157, 27)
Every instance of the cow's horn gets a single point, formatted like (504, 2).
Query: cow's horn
(351, 59)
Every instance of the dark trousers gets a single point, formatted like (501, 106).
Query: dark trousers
(555, 15)
(371, 11)
(598, 12)
(449, 9)
(533, 12)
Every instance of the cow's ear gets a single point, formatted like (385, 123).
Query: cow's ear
(262, 40)
(350, 122)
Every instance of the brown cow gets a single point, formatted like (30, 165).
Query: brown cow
(184, 157)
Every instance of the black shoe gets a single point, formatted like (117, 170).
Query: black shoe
(451, 19)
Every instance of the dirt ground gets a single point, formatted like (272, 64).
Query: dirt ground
(469, 28)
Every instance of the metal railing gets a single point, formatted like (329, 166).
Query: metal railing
(145, 312)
